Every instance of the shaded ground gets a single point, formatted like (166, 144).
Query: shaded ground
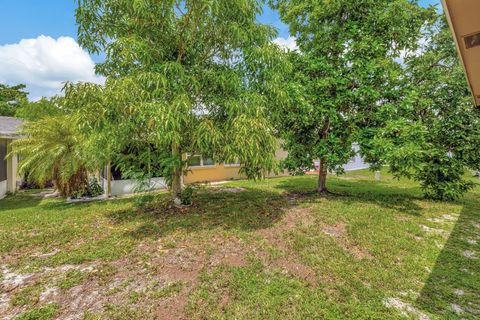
(266, 250)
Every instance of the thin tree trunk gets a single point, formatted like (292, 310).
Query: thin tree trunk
(177, 176)
(322, 176)
(109, 180)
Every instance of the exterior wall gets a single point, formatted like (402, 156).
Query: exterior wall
(221, 172)
(3, 189)
(11, 170)
(217, 172)
(121, 187)
(8, 169)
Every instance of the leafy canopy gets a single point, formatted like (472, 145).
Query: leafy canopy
(432, 133)
(11, 99)
(195, 76)
(346, 69)
(51, 149)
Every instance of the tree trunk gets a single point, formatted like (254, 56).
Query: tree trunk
(322, 176)
(108, 192)
(177, 176)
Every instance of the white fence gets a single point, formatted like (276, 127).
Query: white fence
(122, 187)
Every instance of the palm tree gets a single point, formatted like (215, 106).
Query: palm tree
(51, 149)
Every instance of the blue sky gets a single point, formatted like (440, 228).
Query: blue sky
(52, 56)
(23, 19)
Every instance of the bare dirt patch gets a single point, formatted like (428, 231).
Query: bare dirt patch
(277, 236)
(174, 308)
(338, 231)
(296, 217)
(434, 231)
(298, 270)
(405, 308)
(12, 280)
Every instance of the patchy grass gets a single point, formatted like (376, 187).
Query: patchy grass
(45, 312)
(270, 250)
(70, 279)
(26, 296)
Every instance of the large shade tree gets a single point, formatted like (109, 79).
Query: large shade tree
(346, 69)
(200, 74)
(432, 132)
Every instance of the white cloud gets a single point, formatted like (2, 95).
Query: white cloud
(289, 43)
(44, 64)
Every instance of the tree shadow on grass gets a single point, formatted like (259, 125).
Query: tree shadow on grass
(358, 191)
(452, 290)
(18, 201)
(249, 210)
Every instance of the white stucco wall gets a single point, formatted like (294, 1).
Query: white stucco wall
(3, 189)
(356, 163)
(122, 187)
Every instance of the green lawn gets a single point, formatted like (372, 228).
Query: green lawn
(245, 250)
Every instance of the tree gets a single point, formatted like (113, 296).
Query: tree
(197, 76)
(51, 150)
(432, 133)
(346, 69)
(11, 98)
(40, 109)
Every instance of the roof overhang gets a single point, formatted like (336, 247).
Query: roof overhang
(464, 20)
(9, 136)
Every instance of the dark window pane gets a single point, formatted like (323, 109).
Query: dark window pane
(194, 161)
(3, 162)
(208, 161)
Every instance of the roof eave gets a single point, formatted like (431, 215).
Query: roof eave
(456, 37)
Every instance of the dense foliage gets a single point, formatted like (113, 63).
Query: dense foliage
(432, 131)
(11, 99)
(194, 76)
(51, 150)
(36, 110)
(346, 70)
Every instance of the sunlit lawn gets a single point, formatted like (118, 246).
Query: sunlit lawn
(245, 250)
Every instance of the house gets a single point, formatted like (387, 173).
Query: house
(8, 167)
(204, 169)
(355, 163)
(462, 16)
(201, 169)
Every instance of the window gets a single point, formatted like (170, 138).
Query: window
(200, 161)
(234, 163)
(195, 161)
(207, 161)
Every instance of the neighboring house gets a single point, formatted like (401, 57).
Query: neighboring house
(204, 169)
(201, 169)
(8, 167)
(355, 163)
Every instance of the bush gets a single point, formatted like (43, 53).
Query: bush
(443, 179)
(93, 189)
(187, 196)
(143, 201)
